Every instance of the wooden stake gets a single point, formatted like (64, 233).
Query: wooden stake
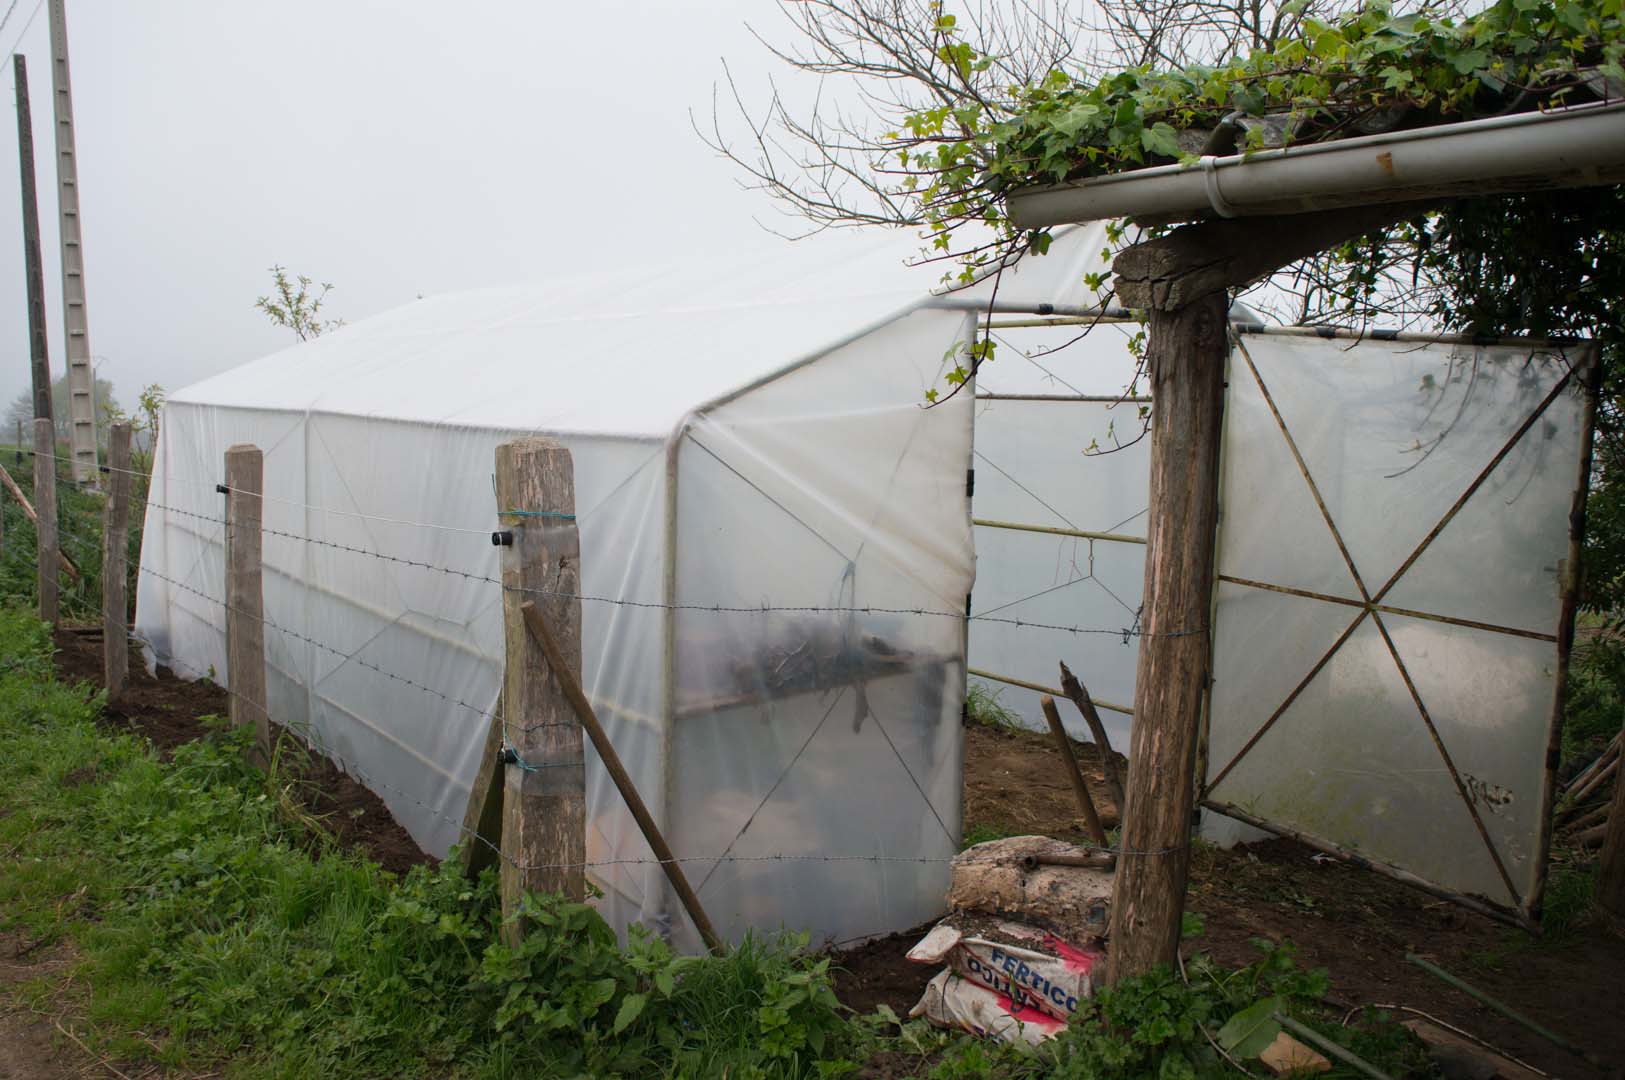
(115, 569)
(45, 523)
(1085, 804)
(28, 511)
(482, 820)
(1582, 779)
(544, 812)
(1584, 791)
(623, 781)
(1611, 863)
(1186, 354)
(1079, 696)
(245, 596)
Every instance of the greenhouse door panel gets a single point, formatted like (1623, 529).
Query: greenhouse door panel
(1392, 549)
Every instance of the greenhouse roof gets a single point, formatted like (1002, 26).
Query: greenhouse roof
(624, 353)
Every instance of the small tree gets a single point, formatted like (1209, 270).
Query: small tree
(296, 303)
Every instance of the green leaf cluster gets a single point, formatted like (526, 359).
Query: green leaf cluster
(1368, 70)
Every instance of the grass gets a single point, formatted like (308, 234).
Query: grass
(214, 930)
(982, 706)
(207, 920)
(79, 531)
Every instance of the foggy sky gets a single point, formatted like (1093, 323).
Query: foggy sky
(393, 148)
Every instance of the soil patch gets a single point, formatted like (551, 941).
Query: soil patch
(1356, 924)
(879, 972)
(1016, 784)
(169, 711)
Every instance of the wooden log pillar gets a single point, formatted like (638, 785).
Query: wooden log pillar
(115, 563)
(245, 596)
(544, 812)
(1186, 353)
(45, 524)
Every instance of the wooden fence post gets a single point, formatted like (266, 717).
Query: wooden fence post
(1186, 352)
(115, 571)
(45, 524)
(245, 596)
(544, 814)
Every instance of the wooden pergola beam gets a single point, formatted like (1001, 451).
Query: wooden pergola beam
(1172, 271)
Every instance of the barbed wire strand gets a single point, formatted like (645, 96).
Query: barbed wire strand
(374, 784)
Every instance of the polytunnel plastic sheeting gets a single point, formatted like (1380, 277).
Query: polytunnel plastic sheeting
(825, 741)
(384, 635)
(1369, 688)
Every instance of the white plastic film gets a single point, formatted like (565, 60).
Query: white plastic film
(1397, 704)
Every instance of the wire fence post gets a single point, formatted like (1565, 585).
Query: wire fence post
(45, 517)
(245, 595)
(544, 836)
(115, 569)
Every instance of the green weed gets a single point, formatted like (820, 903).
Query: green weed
(982, 706)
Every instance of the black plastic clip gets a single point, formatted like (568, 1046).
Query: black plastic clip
(502, 538)
(222, 489)
(507, 756)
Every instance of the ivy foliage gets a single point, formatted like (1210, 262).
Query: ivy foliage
(1369, 70)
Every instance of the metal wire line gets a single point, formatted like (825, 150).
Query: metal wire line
(372, 783)
(347, 657)
(761, 609)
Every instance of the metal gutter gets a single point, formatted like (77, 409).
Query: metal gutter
(1581, 146)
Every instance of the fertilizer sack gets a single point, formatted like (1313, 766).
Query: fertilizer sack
(1032, 968)
(953, 1002)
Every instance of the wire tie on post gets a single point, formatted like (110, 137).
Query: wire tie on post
(542, 514)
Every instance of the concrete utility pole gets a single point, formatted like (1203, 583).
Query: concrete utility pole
(76, 326)
(39, 357)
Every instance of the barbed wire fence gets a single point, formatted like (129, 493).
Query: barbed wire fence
(308, 734)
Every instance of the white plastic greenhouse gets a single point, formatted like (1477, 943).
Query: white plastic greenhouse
(750, 436)
(744, 435)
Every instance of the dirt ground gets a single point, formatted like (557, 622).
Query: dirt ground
(166, 709)
(1357, 925)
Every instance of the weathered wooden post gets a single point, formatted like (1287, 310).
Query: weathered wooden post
(245, 596)
(1182, 280)
(544, 813)
(1186, 354)
(45, 524)
(115, 572)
